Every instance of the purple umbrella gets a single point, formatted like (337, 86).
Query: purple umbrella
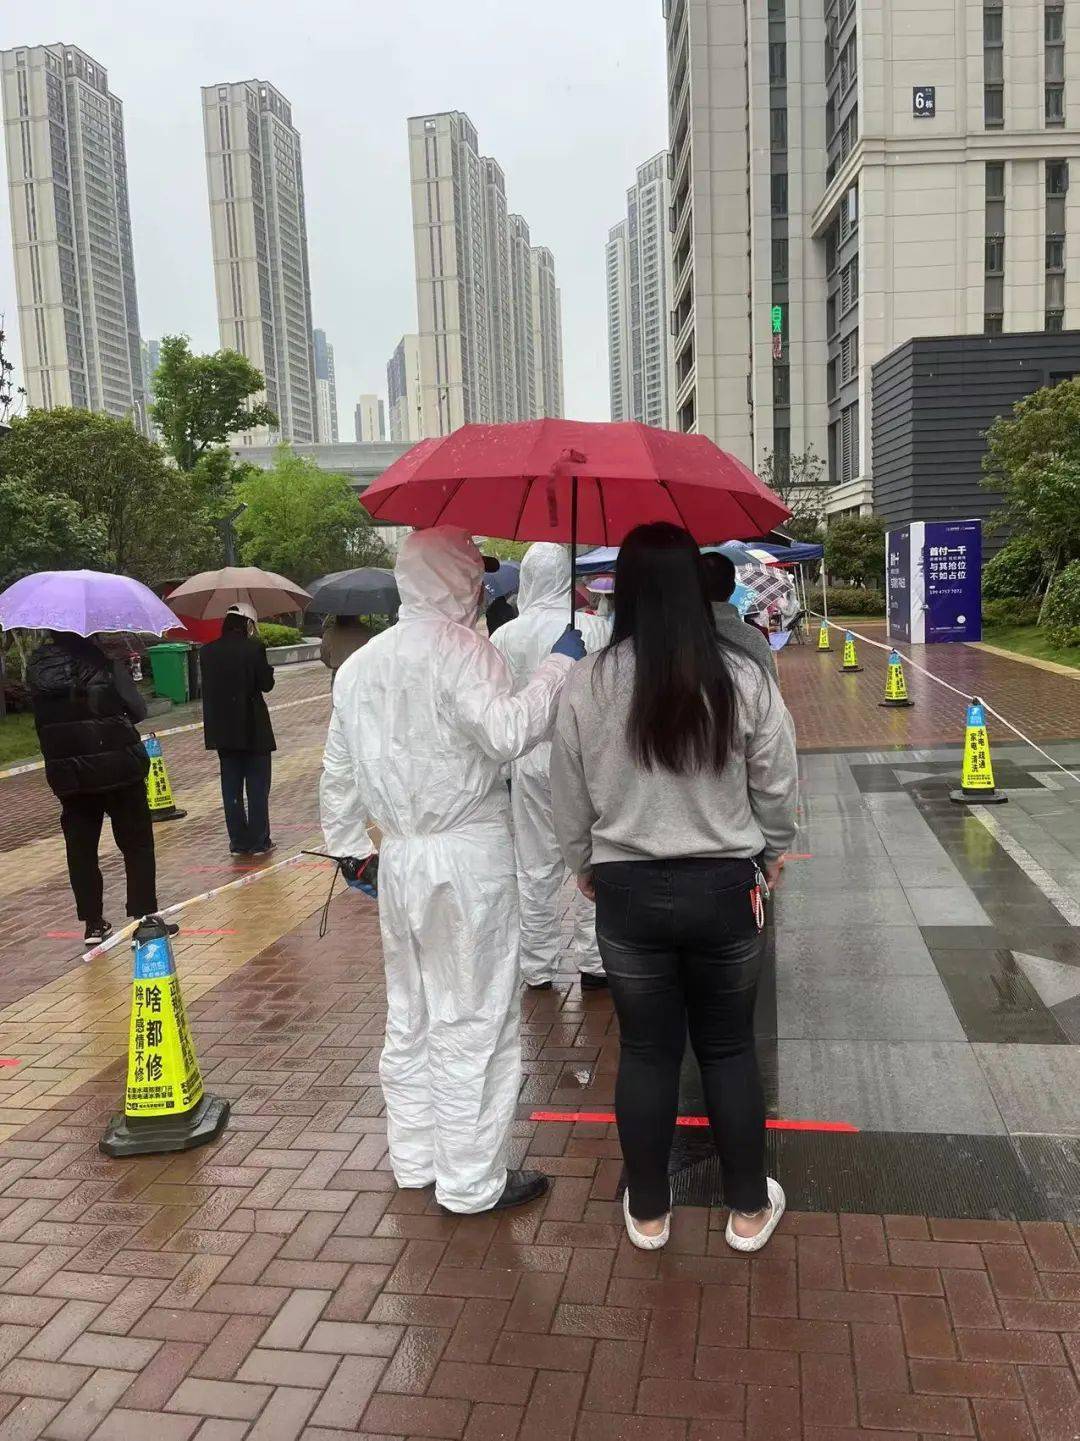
(84, 601)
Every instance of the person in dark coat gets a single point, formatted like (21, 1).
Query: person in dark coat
(85, 709)
(236, 723)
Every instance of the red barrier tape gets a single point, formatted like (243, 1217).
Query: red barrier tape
(608, 1117)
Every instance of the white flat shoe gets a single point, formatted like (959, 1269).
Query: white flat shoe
(778, 1201)
(637, 1238)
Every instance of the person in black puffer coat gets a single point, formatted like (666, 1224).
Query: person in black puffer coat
(85, 709)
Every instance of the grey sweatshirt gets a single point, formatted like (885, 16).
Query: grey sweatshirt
(608, 808)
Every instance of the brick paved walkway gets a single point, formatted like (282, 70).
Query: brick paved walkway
(833, 711)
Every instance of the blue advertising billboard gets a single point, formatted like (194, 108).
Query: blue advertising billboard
(898, 583)
(933, 577)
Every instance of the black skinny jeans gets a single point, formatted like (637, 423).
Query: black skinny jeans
(681, 947)
(81, 820)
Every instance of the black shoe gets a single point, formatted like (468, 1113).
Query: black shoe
(521, 1188)
(235, 851)
(263, 850)
(170, 927)
(590, 982)
(540, 985)
(96, 932)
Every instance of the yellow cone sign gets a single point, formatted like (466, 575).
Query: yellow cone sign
(851, 660)
(823, 637)
(159, 794)
(977, 783)
(895, 684)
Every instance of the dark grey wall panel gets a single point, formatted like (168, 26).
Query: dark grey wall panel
(933, 400)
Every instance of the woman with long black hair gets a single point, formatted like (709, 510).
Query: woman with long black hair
(673, 778)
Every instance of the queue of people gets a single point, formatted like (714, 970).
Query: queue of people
(669, 788)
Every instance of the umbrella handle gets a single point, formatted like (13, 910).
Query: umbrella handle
(573, 550)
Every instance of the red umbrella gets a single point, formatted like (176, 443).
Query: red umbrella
(571, 480)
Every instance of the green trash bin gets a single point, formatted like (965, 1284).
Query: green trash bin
(169, 667)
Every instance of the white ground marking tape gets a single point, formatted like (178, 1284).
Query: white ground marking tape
(172, 731)
(127, 931)
(1058, 897)
(965, 695)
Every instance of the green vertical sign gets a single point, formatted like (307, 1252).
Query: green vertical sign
(778, 320)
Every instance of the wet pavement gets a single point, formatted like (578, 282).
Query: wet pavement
(923, 995)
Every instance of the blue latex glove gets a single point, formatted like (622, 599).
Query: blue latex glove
(570, 644)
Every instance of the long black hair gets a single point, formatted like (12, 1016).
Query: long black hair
(683, 710)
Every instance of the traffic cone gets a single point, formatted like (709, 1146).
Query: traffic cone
(165, 1108)
(977, 785)
(158, 790)
(895, 685)
(823, 637)
(851, 660)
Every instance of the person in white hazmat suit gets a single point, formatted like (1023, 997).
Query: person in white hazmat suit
(543, 615)
(425, 718)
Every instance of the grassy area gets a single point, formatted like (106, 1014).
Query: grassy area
(1030, 640)
(18, 739)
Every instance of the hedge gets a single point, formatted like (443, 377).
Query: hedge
(1061, 619)
(850, 600)
(275, 635)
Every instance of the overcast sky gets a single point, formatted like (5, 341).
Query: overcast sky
(568, 95)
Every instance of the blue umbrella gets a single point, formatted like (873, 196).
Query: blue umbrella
(504, 581)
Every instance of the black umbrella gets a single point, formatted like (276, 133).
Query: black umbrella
(367, 591)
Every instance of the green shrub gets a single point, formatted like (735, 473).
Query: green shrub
(1016, 570)
(1014, 611)
(275, 635)
(1061, 617)
(851, 600)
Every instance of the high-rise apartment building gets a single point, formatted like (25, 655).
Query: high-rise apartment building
(638, 265)
(71, 232)
(259, 235)
(326, 416)
(370, 419)
(403, 391)
(547, 333)
(479, 299)
(847, 176)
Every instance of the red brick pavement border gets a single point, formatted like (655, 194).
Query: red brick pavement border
(834, 711)
(278, 1286)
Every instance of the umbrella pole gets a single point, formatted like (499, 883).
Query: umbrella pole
(573, 550)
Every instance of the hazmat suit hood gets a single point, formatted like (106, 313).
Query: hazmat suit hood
(545, 577)
(439, 573)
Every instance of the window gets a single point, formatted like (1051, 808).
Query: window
(777, 62)
(995, 180)
(830, 316)
(779, 195)
(1055, 291)
(995, 255)
(848, 65)
(779, 259)
(1057, 177)
(1054, 31)
(994, 324)
(849, 443)
(830, 373)
(849, 357)
(1055, 252)
(781, 451)
(849, 285)
(778, 127)
(1055, 321)
(781, 385)
(993, 64)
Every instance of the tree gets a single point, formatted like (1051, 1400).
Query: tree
(799, 482)
(1033, 458)
(305, 522)
(43, 532)
(150, 520)
(200, 400)
(855, 550)
(505, 549)
(11, 395)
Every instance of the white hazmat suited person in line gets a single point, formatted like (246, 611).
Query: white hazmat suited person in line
(543, 607)
(425, 717)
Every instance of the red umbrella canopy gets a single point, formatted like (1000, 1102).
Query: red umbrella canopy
(517, 482)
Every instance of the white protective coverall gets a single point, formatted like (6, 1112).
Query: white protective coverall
(425, 719)
(543, 615)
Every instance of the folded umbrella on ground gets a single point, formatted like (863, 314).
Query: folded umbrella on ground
(87, 602)
(208, 595)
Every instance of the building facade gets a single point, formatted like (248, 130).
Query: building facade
(259, 235)
(638, 273)
(547, 334)
(403, 391)
(326, 413)
(481, 356)
(71, 232)
(370, 420)
(847, 176)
